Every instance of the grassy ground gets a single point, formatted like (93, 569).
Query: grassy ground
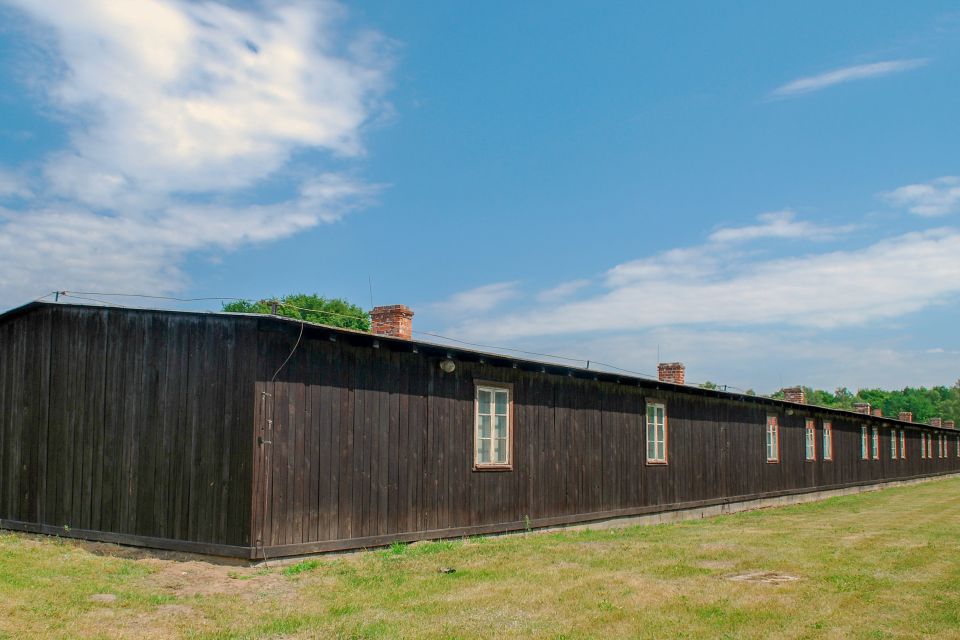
(880, 565)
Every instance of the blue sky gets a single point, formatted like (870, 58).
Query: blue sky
(767, 192)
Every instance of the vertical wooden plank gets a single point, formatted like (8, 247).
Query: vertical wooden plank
(332, 392)
(402, 452)
(387, 465)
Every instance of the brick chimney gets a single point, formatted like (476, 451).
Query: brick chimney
(395, 320)
(878, 413)
(795, 394)
(949, 424)
(862, 407)
(936, 422)
(905, 416)
(671, 372)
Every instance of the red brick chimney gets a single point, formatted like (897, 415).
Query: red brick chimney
(949, 424)
(936, 422)
(905, 416)
(862, 407)
(395, 320)
(878, 413)
(671, 372)
(795, 394)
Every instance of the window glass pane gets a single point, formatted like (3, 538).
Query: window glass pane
(656, 433)
(483, 401)
(502, 451)
(483, 454)
(501, 402)
(484, 427)
(501, 426)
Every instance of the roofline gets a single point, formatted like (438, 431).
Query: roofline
(527, 364)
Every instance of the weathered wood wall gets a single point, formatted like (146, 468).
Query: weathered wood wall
(145, 427)
(372, 445)
(135, 423)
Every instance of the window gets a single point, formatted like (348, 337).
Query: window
(492, 428)
(939, 446)
(656, 433)
(875, 441)
(958, 446)
(864, 443)
(929, 445)
(893, 444)
(811, 440)
(903, 444)
(827, 441)
(923, 445)
(773, 439)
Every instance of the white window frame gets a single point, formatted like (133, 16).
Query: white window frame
(930, 445)
(875, 442)
(958, 446)
(810, 433)
(827, 441)
(923, 445)
(864, 443)
(773, 438)
(893, 444)
(903, 444)
(663, 441)
(493, 388)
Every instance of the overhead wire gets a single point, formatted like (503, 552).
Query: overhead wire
(85, 295)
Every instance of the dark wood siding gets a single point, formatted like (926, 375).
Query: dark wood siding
(134, 423)
(195, 432)
(371, 445)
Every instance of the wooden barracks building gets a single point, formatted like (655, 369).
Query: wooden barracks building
(259, 436)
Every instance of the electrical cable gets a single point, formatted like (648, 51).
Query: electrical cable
(84, 295)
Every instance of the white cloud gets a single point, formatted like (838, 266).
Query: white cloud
(935, 198)
(768, 359)
(478, 300)
(779, 224)
(562, 291)
(69, 247)
(846, 74)
(709, 285)
(171, 102)
(13, 185)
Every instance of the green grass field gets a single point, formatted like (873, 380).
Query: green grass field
(884, 564)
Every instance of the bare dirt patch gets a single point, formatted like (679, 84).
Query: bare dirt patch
(187, 579)
(716, 564)
(763, 577)
(102, 597)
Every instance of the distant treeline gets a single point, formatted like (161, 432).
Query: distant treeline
(936, 402)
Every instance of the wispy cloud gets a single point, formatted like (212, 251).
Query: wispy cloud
(562, 291)
(780, 224)
(13, 185)
(935, 198)
(70, 247)
(843, 75)
(170, 104)
(479, 300)
(713, 284)
(768, 359)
